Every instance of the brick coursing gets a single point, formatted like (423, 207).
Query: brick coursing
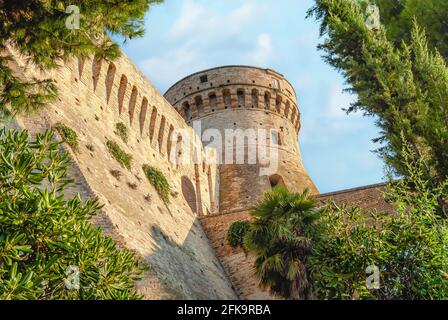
(367, 197)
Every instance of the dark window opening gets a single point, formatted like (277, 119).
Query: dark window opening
(276, 180)
(241, 98)
(204, 79)
(213, 101)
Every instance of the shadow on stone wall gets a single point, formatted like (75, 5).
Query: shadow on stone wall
(189, 193)
(189, 270)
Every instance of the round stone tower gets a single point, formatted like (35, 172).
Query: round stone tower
(255, 111)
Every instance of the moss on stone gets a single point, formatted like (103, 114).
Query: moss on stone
(122, 131)
(159, 181)
(68, 135)
(122, 157)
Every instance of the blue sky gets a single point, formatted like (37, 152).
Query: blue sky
(186, 36)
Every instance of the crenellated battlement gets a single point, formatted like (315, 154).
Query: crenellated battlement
(234, 87)
(245, 100)
(130, 94)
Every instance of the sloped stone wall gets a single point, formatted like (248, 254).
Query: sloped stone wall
(238, 264)
(94, 96)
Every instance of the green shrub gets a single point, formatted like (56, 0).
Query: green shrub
(122, 157)
(122, 131)
(409, 252)
(408, 248)
(68, 135)
(158, 180)
(236, 233)
(42, 233)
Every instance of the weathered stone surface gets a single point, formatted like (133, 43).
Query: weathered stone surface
(366, 197)
(238, 264)
(168, 237)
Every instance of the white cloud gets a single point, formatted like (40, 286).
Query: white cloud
(192, 14)
(338, 100)
(170, 67)
(202, 37)
(262, 53)
(190, 35)
(196, 21)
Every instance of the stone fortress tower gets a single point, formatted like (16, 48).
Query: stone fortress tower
(235, 99)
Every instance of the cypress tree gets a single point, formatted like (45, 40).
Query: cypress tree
(405, 88)
(48, 32)
(432, 15)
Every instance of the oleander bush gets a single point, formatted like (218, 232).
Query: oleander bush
(49, 249)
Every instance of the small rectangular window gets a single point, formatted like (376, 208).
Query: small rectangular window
(276, 83)
(274, 138)
(204, 79)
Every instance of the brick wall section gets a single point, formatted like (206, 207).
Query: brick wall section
(240, 266)
(367, 197)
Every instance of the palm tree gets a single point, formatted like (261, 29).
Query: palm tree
(280, 238)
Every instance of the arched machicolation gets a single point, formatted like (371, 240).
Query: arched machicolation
(234, 87)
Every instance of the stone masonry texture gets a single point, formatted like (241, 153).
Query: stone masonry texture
(94, 96)
(183, 241)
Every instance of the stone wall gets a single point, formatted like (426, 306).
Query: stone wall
(238, 264)
(94, 96)
(366, 197)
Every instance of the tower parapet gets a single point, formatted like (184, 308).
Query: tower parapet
(231, 87)
(238, 99)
